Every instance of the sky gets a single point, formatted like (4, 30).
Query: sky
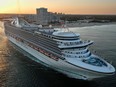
(61, 6)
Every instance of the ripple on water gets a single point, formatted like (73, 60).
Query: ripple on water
(16, 70)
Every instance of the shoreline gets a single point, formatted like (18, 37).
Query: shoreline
(71, 25)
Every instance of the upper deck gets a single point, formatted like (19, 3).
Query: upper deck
(63, 38)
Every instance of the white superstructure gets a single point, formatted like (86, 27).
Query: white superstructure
(63, 51)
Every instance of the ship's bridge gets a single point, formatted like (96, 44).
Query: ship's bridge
(75, 44)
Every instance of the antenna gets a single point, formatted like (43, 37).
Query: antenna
(65, 27)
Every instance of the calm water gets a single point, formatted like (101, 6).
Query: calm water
(16, 70)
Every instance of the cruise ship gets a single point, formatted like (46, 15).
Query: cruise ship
(61, 50)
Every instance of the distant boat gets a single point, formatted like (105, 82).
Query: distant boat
(60, 50)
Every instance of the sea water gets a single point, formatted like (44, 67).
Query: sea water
(16, 70)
